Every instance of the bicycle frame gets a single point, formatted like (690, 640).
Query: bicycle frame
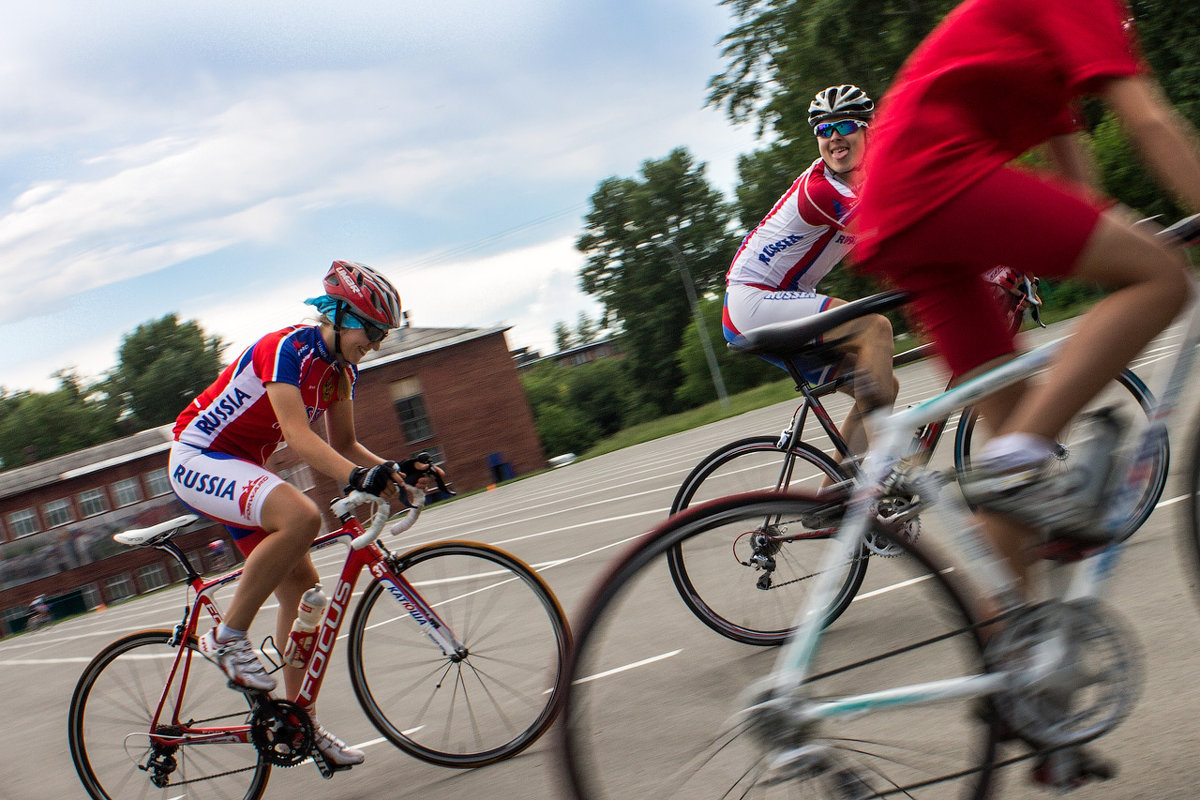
(363, 553)
(892, 440)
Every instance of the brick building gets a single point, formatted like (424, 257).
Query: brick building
(453, 393)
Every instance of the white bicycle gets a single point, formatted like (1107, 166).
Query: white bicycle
(901, 697)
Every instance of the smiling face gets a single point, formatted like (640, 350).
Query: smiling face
(843, 153)
(355, 345)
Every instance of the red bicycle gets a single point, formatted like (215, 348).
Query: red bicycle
(456, 656)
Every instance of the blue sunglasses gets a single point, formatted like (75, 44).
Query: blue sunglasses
(844, 126)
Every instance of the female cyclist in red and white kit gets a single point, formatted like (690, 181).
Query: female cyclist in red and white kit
(270, 394)
(775, 273)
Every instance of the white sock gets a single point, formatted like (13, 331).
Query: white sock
(1014, 451)
(228, 634)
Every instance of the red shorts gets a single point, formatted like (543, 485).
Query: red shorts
(1032, 223)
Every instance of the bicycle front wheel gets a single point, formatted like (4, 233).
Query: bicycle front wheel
(653, 711)
(1133, 401)
(461, 709)
(111, 718)
(747, 582)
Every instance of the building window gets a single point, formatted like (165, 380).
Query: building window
(410, 409)
(151, 577)
(127, 492)
(118, 587)
(22, 523)
(157, 482)
(92, 502)
(58, 512)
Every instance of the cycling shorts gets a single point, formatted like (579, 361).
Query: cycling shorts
(749, 307)
(1038, 225)
(226, 488)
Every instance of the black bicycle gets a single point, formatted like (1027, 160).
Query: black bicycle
(746, 583)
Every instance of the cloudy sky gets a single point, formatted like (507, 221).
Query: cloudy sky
(211, 159)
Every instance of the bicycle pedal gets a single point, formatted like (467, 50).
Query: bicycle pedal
(1066, 770)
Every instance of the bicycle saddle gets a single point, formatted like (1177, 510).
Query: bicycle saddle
(796, 338)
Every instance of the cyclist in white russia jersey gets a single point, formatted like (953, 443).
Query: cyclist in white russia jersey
(775, 273)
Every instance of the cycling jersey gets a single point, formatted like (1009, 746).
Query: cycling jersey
(802, 238)
(234, 414)
(775, 273)
(994, 79)
(224, 436)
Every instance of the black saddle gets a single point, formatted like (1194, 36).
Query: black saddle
(801, 338)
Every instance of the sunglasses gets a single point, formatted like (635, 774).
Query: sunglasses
(374, 332)
(845, 127)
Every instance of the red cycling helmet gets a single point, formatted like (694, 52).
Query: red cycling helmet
(369, 295)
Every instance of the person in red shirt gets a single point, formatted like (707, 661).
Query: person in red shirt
(270, 394)
(942, 204)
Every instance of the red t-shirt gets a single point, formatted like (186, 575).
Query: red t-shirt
(996, 78)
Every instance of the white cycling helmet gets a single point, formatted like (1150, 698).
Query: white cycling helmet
(840, 102)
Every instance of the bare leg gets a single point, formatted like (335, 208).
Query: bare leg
(1152, 288)
(294, 585)
(870, 342)
(292, 522)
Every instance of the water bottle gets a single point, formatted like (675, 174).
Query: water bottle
(304, 630)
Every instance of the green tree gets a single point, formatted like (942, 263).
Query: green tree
(162, 365)
(738, 370)
(35, 426)
(782, 52)
(638, 233)
(600, 392)
(562, 427)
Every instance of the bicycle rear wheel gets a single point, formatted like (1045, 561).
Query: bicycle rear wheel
(652, 703)
(745, 581)
(486, 705)
(109, 726)
(1133, 401)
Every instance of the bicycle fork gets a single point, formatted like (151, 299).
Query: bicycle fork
(421, 612)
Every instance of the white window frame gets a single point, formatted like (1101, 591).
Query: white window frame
(88, 498)
(157, 482)
(52, 509)
(19, 522)
(120, 491)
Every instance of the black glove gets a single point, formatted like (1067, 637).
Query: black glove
(372, 481)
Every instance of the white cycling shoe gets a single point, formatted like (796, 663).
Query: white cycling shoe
(335, 752)
(237, 660)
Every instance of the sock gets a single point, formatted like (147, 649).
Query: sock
(228, 634)
(1014, 451)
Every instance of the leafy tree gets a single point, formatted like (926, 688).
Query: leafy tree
(638, 231)
(562, 336)
(738, 370)
(600, 391)
(162, 365)
(782, 52)
(36, 426)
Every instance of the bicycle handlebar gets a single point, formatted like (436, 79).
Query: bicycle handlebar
(380, 512)
(1185, 232)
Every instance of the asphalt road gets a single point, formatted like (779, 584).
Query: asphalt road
(570, 523)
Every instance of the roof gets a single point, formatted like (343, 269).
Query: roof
(399, 345)
(409, 342)
(89, 459)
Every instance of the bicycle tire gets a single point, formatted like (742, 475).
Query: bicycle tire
(1156, 476)
(435, 707)
(720, 578)
(646, 712)
(111, 710)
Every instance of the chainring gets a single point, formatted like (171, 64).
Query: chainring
(282, 732)
(1076, 669)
